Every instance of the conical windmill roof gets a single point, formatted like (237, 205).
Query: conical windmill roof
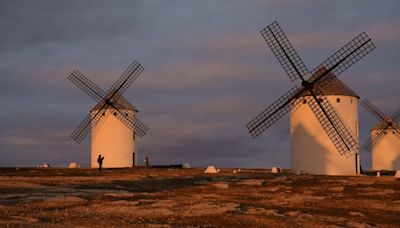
(120, 100)
(335, 87)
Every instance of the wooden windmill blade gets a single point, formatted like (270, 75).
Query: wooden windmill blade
(85, 84)
(333, 125)
(371, 108)
(294, 67)
(344, 58)
(373, 140)
(396, 116)
(336, 129)
(82, 130)
(388, 123)
(130, 120)
(274, 112)
(396, 132)
(126, 79)
(140, 128)
(95, 92)
(107, 100)
(284, 51)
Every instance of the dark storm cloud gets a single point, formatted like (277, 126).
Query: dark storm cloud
(207, 72)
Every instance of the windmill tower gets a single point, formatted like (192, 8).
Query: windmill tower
(322, 130)
(112, 121)
(384, 142)
(308, 137)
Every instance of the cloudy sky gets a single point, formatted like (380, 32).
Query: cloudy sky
(208, 72)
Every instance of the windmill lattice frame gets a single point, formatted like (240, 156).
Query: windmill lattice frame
(322, 76)
(389, 123)
(108, 99)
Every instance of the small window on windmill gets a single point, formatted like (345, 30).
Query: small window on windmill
(338, 100)
(126, 114)
(115, 113)
(304, 101)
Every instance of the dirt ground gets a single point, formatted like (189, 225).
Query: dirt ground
(143, 197)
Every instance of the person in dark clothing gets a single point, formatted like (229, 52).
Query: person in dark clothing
(100, 161)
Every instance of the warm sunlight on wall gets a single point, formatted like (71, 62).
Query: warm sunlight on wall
(312, 150)
(113, 140)
(386, 153)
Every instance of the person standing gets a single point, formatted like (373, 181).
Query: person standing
(100, 161)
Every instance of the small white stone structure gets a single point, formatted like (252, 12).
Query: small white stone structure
(312, 150)
(44, 165)
(211, 169)
(73, 165)
(397, 175)
(386, 152)
(112, 139)
(275, 170)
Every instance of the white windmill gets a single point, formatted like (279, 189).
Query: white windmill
(112, 121)
(323, 110)
(384, 142)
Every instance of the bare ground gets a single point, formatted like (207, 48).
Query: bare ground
(187, 197)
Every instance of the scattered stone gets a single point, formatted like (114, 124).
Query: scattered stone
(211, 169)
(186, 165)
(221, 185)
(378, 174)
(193, 198)
(356, 213)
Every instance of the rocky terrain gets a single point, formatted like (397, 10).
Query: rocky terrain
(152, 197)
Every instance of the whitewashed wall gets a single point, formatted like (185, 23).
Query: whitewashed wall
(113, 140)
(312, 150)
